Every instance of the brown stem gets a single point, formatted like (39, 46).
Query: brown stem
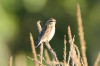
(52, 52)
(41, 46)
(33, 49)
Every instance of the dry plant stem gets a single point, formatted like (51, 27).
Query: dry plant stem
(69, 57)
(97, 62)
(41, 53)
(47, 56)
(55, 63)
(65, 50)
(48, 61)
(11, 61)
(52, 51)
(41, 46)
(73, 54)
(78, 52)
(71, 45)
(81, 35)
(39, 26)
(35, 60)
(33, 49)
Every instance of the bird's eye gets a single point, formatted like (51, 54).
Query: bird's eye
(50, 21)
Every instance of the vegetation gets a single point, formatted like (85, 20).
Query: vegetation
(75, 56)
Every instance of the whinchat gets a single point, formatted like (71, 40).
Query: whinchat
(47, 32)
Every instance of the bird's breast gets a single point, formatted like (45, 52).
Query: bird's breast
(51, 33)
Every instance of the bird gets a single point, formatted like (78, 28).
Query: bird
(47, 32)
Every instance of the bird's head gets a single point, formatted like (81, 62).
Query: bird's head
(51, 21)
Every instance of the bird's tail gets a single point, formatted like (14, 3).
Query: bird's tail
(38, 43)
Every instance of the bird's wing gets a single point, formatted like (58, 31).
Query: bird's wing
(42, 33)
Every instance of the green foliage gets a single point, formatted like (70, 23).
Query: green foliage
(18, 18)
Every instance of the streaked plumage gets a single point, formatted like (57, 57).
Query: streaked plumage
(47, 32)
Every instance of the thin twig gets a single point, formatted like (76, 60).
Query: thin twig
(52, 52)
(35, 60)
(41, 53)
(39, 26)
(33, 49)
(73, 54)
(78, 54)
(11, 61)
(81, 36)
(64, 50)
(97, 62)
(71, 45)
(41, 46)
(47, 56)
(69, 57)
(48, 61)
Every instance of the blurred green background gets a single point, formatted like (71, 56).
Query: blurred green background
(18, 18)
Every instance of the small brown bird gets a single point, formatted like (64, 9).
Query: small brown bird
(47, 32)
